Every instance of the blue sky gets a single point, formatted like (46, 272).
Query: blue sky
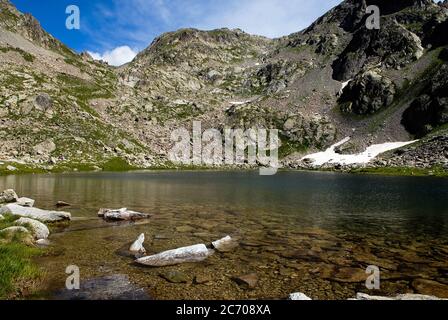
(116, 30)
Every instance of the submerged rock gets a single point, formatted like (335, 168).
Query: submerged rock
(363, 296)
(8, 196)
(248, 281)
(35, 213)
(225, 244)
(299, 296)
(39, 230)
(174, 277)
(137, 246)
(121, 215)
(113, 287)
(61, 204)
(194, 253)
(25, 202)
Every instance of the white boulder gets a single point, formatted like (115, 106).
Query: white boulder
(25, 202)
(137, 246)
(121, 215)
(299, 296)
(225, 244)
(39, 230)
(194, 253)
(408, 296)
(8, 196)
(35, 213)
(2, 217)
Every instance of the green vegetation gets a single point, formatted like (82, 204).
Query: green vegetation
(404, 171)
(27, 56)
(17, 271)
(289, 147)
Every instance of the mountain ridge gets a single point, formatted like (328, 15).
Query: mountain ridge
(85, 114)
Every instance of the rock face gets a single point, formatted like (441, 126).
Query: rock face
(137, 247)
(121, 215)
(431, 108)
(8, 196)
(35, 213)
(196, 253)
(393, 45)
(367, 93)
(39, 230)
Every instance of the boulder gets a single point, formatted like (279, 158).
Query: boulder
(137, 246)
(248, 281)
(61, 204)
(174, 277)
(363, 296)
(25, 202)
(15, 230)
(39, 230)
(2, 217)
(121, 215)
(194, 253)
(8, 196)
(225, 244)
(367, 93)
(35, 213)
(44, 148)
(299, 296)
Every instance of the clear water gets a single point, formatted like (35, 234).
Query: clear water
(310, 232)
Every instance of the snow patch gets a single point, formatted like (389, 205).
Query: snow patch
(330, 156)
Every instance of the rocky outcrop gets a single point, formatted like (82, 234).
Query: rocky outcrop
(39, 230)
(121, 215)
(35, 213)
(392, 46)
(367, 93)
(196, 253)
(430, 110)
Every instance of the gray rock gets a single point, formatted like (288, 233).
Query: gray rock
(11, 168)
(43, 102)
(15, 230)
(25, 202)
(44, 148)
(194, 253)
(121, 215)
(225, 244)
(8, 196)
(39, 230)
(299, 296)
(137, 246)
(113, 287)
(174, 277)
(35, 213)
(363, 296)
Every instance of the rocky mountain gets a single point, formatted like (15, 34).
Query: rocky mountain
(337, 78)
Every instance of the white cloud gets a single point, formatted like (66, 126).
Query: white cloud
(115, 57)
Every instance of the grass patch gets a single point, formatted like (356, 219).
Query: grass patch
(117, 164)
(404, 171)
(27, 56)
(18, 274)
